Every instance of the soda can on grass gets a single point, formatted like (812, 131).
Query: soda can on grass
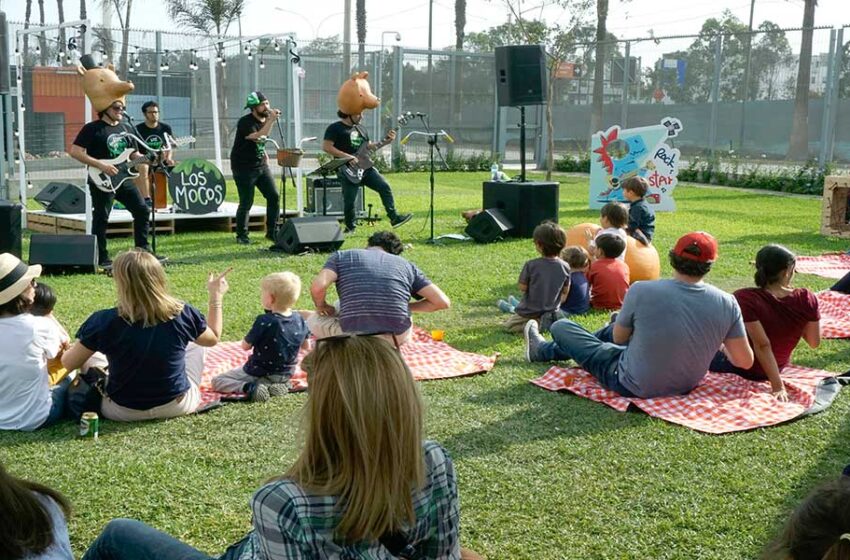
(89, 425)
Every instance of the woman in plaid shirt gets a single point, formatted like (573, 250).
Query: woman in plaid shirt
(365, 485)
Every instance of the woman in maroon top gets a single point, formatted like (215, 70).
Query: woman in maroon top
(777, 316)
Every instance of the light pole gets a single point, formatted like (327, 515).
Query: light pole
(380, 77)
(346, 42)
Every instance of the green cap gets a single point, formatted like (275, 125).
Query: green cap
(254, 99)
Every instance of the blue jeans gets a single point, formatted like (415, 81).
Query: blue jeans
(721, 364)
(595, 352)
(58, 394)
(127, 539)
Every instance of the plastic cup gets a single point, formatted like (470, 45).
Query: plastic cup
(438, 335)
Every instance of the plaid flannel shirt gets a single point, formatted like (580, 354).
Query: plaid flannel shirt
(289, 523)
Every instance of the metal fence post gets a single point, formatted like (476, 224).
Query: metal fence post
(158, 64)
(214, 103)
(398, 77)
(715, 93)
(624, 105)
(541, 146)
(827, 101)
(836, 75)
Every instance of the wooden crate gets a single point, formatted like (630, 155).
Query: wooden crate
(835, 209)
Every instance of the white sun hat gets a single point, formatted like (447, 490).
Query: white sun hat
(15, 276)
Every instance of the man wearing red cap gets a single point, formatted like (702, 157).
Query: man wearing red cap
(665, 335)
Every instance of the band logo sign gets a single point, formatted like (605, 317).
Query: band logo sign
(196, 187)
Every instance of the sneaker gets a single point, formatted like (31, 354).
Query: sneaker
(513, 301)
(350, 230)
(613, 318)
(257, 392)
(105, 264)
(242, 240)
(533, 340)
(504, 306)
(278, 389)
(400, 220)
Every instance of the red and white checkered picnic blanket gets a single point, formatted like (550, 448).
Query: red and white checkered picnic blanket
(721, 403)
(828, 266)
(834, 314)
(426, 358)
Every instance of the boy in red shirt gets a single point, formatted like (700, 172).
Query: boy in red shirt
(608, 277)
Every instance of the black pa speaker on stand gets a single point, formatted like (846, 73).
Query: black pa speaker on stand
(62, 198)
(10, 227)
(318, 233)
(62, 252)
(521, 75)
(488, 226)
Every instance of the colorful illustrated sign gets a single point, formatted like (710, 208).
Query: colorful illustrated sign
(196, 186)
(618, 154)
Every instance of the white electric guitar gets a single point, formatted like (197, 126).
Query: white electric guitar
(127, 167)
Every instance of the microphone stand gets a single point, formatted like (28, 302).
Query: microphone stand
(432, 145)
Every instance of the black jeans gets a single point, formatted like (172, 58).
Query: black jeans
(376, 182)
(842, 285)
(246, 180)
(101, 206)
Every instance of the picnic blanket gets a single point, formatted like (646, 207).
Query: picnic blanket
(426, 358)
(834, 314)
(721, 403)
(828, 266)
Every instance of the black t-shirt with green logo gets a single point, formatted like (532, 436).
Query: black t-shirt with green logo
(153, 137)
(104, 141)
(247, 154)
(346, 138)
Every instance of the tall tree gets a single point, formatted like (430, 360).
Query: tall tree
(798, 145)
(212, 18)
(63, 43)
(771, 55)
(599, 66)
(27, 17)
(42, 38)
(460, 23)
(361, 33)
(460, 27)
(83, 47)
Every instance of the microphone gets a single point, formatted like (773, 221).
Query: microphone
(448, 137)
(417, 114)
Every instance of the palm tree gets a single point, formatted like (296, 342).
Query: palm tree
(27, 17)
(798, 145)
(599, 66)
(83, 14)
(212, 18)
(63, 44)
(460, 26)
(361, 33)
(42, 38)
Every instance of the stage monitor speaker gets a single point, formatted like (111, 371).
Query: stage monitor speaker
(319, 233)
(317, 188)
(488, 226)
(62, 252)
(521, 75)
(62, 198)
(10, 227)
(525, 205)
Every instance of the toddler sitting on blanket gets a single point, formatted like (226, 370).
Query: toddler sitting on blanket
(275, 337)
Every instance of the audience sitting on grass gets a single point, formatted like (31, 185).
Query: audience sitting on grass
(276, 337)
(613, 217)
(32, 521)
(374, 286)
(27, 402)
(544, 282)
(152, 341)
(819, 528)
(776, 316)
(641, 224)
(843, 285)
(665, 335)
(608, 276)
(578, 298)
(365, 484)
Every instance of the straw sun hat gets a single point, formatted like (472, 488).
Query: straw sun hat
(15, 276)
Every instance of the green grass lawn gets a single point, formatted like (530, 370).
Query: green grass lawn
(541, 475)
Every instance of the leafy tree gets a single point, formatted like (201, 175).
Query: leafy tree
(798, 145)
(771, 55)
(323, 46)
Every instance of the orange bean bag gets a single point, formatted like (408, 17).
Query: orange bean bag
(576, 234)
(643, 261)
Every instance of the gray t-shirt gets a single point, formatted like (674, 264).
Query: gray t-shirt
(374, 289)
(677, 329)
(61, 547)
(545, 278)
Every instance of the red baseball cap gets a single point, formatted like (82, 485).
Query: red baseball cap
(697, 246)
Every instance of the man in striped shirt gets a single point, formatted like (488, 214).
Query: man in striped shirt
(375, 286)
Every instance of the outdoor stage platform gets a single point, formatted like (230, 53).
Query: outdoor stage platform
(121, 222)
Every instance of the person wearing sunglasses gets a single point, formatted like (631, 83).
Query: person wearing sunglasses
(100, 140)
(364, 484)
(375, 286)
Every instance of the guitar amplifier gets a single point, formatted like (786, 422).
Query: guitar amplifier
(318, 188)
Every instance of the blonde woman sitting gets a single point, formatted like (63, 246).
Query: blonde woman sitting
(365, 485)
(152, 341)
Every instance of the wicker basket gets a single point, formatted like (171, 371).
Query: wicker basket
(289, 157)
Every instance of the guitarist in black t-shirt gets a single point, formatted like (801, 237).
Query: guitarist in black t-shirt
(342, 140)
(103, 139)
(153, 132)
(250, 165)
